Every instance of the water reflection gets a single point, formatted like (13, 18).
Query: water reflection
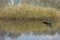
(41, 37)
(27, 36)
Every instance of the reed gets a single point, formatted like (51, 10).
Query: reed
(27, 18)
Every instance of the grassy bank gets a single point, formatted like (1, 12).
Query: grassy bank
(27, 11)
(27, 18)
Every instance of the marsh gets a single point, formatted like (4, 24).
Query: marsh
(29, 20)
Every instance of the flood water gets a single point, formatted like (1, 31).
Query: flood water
(27, 30)
(31, 37)
(28, 36)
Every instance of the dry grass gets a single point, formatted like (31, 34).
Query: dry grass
(27, 18)
(28, 12)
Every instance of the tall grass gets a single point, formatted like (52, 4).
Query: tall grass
(25, 18)
(28, 11)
